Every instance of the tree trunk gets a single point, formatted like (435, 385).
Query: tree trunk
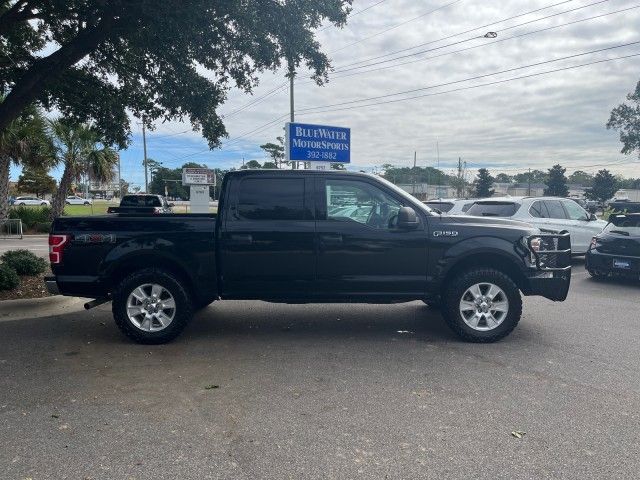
(59, 198)
(4, 188)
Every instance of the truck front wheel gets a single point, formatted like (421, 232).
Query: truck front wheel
(150, 306)
(482, 305)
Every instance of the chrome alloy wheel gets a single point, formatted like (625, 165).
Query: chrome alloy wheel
(151, 307)
(484, 306)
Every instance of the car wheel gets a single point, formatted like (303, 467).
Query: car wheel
(482, 305)
(87, 203)
(43, 204)
(151, 306)
(21, 203)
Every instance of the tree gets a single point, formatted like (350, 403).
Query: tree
(150, 57)
(581, 178)
(556, 182)
(604, 187)
(78, 148)
(626, 119)
(269, 165)
(534, 176)
(171, 179)
(275, 151)
(504, 178)
(252, 164)
(25, 140)
(36, 179)
(483, 184)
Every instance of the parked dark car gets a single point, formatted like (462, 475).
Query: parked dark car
(142, 203)
(617, 249)
(307, 237)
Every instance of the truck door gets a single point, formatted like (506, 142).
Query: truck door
(267, 243)
(361, 253)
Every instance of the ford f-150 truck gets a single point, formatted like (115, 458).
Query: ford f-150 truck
(303, 237)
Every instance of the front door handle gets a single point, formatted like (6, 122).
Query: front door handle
(242, 238)
(331, 239)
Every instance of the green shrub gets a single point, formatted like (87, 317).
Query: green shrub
(24, 262)
(8, 278)
(31, 217)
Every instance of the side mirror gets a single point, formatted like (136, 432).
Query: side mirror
(407, 218)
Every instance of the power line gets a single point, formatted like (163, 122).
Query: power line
(462, 33)
(342, 69)
(255, 101)
(308, 109)
(486, 44)
(396, 26)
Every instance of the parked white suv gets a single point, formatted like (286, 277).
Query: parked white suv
(547, 213)
(450, 206)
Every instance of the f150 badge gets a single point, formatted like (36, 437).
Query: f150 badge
(445, 233)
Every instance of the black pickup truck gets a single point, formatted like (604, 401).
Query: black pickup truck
(307, 237)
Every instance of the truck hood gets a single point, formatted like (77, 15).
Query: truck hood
(483, 223)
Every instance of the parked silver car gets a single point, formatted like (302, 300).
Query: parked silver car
(547, 213)
(31, 201)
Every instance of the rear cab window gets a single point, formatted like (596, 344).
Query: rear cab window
(140, 201)
(493, 209)
(263, 198)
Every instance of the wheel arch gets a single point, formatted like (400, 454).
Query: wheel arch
(494, 260)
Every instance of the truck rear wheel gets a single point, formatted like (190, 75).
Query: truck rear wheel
(482, 305)
(150, 306)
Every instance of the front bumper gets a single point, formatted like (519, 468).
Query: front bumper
(52, 285)
(550, 270)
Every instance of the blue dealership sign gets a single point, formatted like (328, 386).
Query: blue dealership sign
(317, 143)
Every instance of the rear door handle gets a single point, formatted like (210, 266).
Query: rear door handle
(331, 239)
(242, 238)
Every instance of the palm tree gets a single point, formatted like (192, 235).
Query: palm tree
(25, 140)
(78, 147)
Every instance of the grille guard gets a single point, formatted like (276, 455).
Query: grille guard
(560, 256)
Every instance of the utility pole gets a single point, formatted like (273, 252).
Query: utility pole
(529, 189)
(415, 155)
(119, 179)
(144, 146)
(438, 167)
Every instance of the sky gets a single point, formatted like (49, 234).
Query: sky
(509, 126)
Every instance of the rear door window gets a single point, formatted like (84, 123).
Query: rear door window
(554, 207)
(493, 209)
(539, 210)
(271, 199)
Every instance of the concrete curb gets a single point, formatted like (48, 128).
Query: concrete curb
(39, 307)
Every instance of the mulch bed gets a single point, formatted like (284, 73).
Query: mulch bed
(30, 287)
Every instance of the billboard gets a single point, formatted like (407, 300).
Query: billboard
(198, 176)
(317, 143)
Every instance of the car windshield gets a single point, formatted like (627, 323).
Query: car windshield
(140, 201)
(493, 209)
(628, 225)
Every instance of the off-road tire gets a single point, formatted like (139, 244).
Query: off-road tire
(456, 289)
(183, 312)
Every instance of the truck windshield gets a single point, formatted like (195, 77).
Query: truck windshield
(140, 201)
(493, 209)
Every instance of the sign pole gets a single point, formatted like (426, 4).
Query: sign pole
(291, 101)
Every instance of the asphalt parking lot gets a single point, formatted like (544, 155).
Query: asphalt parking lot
(38, 244)
(255, 390)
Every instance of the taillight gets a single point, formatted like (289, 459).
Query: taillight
(56, 246)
